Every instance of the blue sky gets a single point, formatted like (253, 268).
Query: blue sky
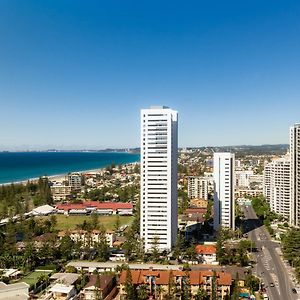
(74, 74)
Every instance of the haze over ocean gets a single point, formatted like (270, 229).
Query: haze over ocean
(19, 166)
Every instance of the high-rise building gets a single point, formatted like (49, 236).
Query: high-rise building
(159, 154)
(224, 167)
(75, 180)
(199, 187)
(295, 174)
(277, 185)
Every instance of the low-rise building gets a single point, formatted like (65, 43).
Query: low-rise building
(101, 208)
(98, 287)
(207, 254)
(16, 291)
(61, 291)
(61, 192)
(89, 238)
(160, 280)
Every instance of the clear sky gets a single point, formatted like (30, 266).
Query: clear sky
(74, 74)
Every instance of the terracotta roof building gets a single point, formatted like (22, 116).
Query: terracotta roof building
(195, 280)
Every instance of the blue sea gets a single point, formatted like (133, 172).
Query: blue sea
(19, 166)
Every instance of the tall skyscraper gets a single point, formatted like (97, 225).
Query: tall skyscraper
(295, 174)
(224, 166)
(159, 152)
(277, 187)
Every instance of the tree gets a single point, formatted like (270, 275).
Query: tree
(129, 287)
(201, 294)
(66, 247)
(158, 292)
(142, 292)
(236, 288)
(117, 224)
(172, 289)
(94, 221)
(214, 287)
(154, 249)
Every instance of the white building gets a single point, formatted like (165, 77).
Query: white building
(17, 291)
(159, 151)
(75, 180)
(200, 187)
(277, 185)
(295, 174)
(224, 166)
(243, 178)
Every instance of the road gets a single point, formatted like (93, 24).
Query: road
(269, 264)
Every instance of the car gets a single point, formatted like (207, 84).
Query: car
(272, 284)
(294, 290)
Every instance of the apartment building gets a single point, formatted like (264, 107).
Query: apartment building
(224, 166)
(199, 187)
(295, 174)
(277, 185)
(75, 180)
(159, 151)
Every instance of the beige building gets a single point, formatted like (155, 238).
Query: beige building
(158, 282)
(16, 291)
(61, 192)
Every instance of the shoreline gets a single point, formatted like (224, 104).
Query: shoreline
(63, 175)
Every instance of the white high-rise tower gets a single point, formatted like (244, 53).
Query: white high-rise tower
(159, 152)
(295, 174)
(224, 215)
(277, 186)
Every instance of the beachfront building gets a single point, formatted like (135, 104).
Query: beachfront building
(277, 189)
(75, 181)
(159, 150)
(224, 190)
(60, 191)
(295, 174)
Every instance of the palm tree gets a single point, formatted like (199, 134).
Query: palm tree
(201, 294)
(158, 292)
(143, 293)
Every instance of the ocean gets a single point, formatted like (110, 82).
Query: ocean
(19, 166)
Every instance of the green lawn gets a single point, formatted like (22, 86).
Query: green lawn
(69, 222)
(32, 277)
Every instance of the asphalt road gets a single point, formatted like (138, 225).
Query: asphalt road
(269, 264)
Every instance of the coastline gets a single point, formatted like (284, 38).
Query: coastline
(62, 176)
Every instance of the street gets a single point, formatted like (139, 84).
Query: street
(269, 265)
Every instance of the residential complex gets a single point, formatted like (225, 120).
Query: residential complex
(75, 180)
(159, 150)
(224, 190)
(295, 174)
(159, 280)
(199, 187)
(277, 185)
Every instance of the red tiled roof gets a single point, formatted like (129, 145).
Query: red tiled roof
(195, 211)
(224, 278)
(94, 204)
(205, 249)
(162, 277)
(104, 281)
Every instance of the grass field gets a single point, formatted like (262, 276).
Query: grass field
(70, 222)
(32, 277)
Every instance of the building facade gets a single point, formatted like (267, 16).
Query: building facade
(224, 166)
(75, 181)
(159, 151)
(277, 185)
(243, 178)
(295, 174)
(199, 187)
